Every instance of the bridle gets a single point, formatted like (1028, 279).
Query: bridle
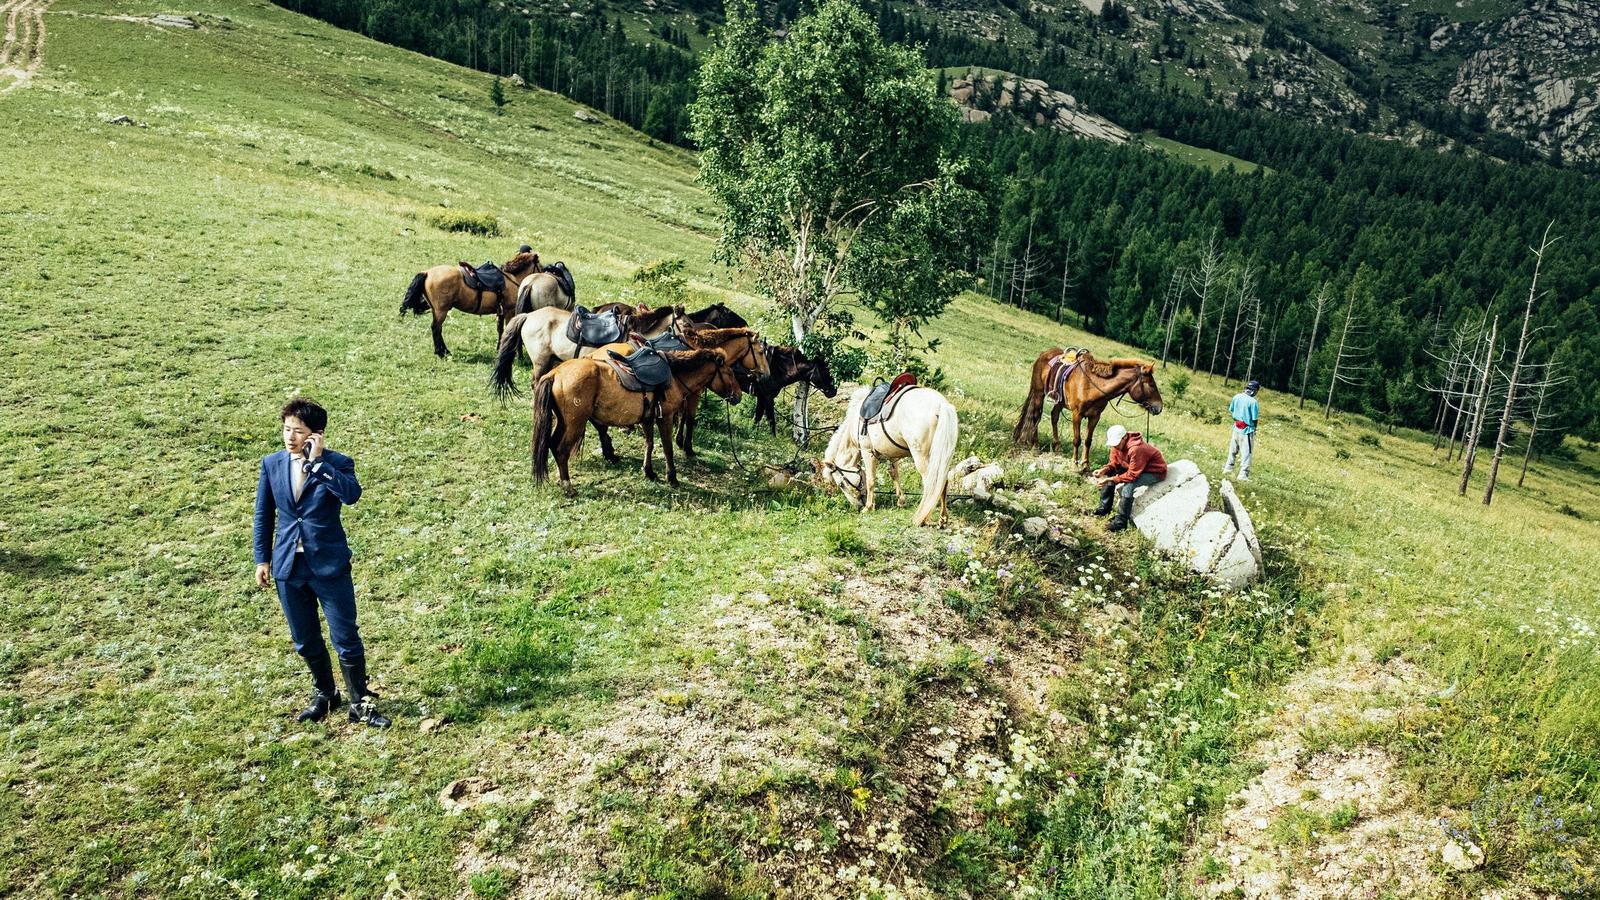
(1137, 382)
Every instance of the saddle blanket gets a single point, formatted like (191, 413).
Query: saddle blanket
(486, 277)
(587, 329)
(882, 391)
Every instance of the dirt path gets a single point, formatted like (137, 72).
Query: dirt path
(22, 50)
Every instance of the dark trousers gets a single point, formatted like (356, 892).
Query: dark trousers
(1127, 489)
(301, 593)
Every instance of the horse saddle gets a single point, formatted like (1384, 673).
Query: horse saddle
(563, 275)
(665, 341)
(642, 370)
(1057, 370)
(487, 277)
(872, 408)
(589, 329)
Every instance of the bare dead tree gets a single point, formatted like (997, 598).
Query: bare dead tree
(1206, 272)
(1029, 268)
(1319, 305)
(1469, 445)
(1067, 279)
(1255, 335)
(1244, 312)
(1536, 419)
(1176, 285)
(1346, 361)
(1453, 358)
(1516, 368)
(1216, 342)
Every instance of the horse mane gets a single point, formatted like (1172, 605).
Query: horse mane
(645, 321)
(679, 360)
(521, 263)
(1108, 367)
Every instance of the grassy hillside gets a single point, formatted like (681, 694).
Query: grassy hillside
(699, 692)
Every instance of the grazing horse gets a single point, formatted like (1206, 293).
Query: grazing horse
(1086, 389)
(587, 389)
(917, 422)
(546, 288)
(543, 333)
(443, 288)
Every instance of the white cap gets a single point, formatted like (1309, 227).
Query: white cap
(1115, 434)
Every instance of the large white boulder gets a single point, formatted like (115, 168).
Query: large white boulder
(1241, 517)
(1208, 540)
(1237, 567)
(1177, 473)
(1166, 522)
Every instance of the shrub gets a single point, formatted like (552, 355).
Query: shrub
(1179, 385)
(844, 540)
(483, 224)
(1341, 453)
(1371, 440)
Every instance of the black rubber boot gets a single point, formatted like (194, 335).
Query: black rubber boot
(325, 698)
(363, 705)
(1124, 515)
(1107, 494)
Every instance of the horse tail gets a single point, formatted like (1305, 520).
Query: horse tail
(940, 456)
(547, 427)
(505, 360)
(525, 294)
(416, 300)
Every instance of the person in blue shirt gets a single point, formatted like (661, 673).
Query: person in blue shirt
(1245, 410)
(300, 544)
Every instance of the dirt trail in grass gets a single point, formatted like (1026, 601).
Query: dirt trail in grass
(22, 51)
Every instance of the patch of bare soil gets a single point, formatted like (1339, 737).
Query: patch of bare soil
(22, 48)
(1336, 822)
(729, 738)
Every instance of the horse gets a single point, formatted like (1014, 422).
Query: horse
(747, 361)
(546, 288)
(789, 365)
(718, 315)
(1088, 387)
(443, 288)
(586, 389)
(917, 422)
(544, 333)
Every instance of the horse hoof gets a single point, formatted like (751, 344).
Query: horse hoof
(672, 480)
(650, 474)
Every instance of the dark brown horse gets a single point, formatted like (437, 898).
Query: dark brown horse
(1089, 386)
(717, 315)
(443, 288)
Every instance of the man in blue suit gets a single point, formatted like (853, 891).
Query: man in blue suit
(300, 543)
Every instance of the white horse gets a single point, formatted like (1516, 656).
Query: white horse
(543, 333)
(920, 423)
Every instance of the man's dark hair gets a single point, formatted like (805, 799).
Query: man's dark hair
(307, 411)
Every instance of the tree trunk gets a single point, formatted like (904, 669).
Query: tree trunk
(1311, 346)
(1338, 358)
(1469, 446)
(1516, 371)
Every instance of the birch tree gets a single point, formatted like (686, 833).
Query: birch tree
(833, 160)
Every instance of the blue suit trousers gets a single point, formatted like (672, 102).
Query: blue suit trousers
(302, 592)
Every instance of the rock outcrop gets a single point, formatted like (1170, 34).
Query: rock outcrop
(1032, 101)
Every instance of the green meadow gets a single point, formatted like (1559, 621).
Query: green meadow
(738, 688)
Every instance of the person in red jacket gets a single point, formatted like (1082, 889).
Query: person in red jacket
(1133, 463)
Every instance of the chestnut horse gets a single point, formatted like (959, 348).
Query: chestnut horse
(442, 288)
(587, 389)
(1090, 385)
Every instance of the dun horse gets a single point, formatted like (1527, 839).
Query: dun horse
(443, 288)
(1086, 388)
(546, 288)
(919, 423)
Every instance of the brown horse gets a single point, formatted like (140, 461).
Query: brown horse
(747, 355)
(443, 288)
(1090, 385)
(587, 389)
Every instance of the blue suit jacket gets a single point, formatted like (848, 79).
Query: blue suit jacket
(313, 521)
